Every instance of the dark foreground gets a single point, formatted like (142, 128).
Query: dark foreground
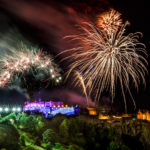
(25, 132)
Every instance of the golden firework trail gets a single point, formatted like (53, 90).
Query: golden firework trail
(107, 60)
(78, 80)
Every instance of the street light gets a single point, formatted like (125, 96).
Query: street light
(14, 109)
(18, 109)
(6, 109)
(1, 109)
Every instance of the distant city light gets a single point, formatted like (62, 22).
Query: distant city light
(14, 109)
(6, 109)
(19, 109)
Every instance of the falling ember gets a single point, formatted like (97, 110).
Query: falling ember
(16, 62)
(78, 80)
(108, 59)
(109, 21)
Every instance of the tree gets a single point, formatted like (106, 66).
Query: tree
(8, 117)
(63, 130)
(48, 146)
(58, 146)
(28, 123)
(70, 147)
(22, 140)
(75, 126)
(115, 146)
(49, 136)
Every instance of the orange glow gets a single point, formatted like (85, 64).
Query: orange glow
(66, 105)
(58, 106)
(103, 117)
(117, 117)
(62, 105)
(109, 21)
(143, 115)
(126, 115)
(121, 116)
(54, 105)
(92, 111)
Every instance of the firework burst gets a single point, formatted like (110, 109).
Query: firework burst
(14, 63)
(109, 21)
(107, 60)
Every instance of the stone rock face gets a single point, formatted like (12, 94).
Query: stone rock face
(9, 137)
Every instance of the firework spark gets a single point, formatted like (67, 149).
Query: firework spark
(109, 21)
(14, 63)
(107, 60)
(78, 80)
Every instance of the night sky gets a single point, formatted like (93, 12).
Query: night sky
(45, 23)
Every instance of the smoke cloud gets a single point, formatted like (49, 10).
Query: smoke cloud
(52, 24)
(67, 96)
(13, 95)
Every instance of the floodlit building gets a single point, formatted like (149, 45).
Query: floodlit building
(143, 115)
(50, 109)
